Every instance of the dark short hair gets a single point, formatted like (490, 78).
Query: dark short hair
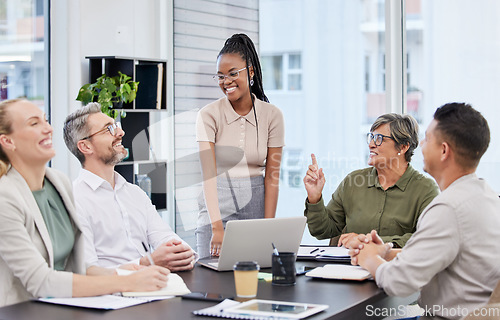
(404, 131)
(465, 130)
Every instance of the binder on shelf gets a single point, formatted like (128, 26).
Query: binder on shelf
(159, 89)
(150, 77)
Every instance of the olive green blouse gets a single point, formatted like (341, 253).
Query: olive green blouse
(57, 221)
(360, 205)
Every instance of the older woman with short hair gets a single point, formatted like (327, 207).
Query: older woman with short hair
(388, 197)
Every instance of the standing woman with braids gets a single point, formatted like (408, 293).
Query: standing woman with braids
(240, 137)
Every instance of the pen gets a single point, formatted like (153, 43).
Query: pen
(148, 254)
(314, 250)
(275, 251)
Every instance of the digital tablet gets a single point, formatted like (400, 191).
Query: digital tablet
(280, 309)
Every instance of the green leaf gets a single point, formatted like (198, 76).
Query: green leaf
(132, 96)
(109, 90)
(85, 95)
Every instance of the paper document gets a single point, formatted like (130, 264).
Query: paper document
(175, 287)
(107, 302)
(339, 272)
(310, 251)
(324, 253)
(217, 310)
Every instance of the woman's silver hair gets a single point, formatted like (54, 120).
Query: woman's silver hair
(75, 128)
(404, 131)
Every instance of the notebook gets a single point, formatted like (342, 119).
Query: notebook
(324, 253)
(251, 240)
(340, 272)
(175, 287)
(256, 309)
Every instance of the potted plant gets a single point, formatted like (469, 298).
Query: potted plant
(111, 93)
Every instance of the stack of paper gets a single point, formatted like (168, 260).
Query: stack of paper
(324, 253)
(175, 287)
(340, 272)
(107, 302)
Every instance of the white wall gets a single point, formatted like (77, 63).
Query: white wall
(82, 28)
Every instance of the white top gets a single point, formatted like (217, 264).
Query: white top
(235, 137)
(116, 222)
(453, 256)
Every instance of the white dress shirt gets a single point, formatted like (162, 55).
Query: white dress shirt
(116, 221)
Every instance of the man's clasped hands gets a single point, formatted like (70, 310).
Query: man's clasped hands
(368, 250)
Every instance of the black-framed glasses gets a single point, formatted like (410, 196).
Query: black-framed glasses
(233, 75)
(112, 129)
(377, 138)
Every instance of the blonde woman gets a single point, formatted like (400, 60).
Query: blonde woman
(41, 245)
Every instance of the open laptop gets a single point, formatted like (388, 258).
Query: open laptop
(251, 240)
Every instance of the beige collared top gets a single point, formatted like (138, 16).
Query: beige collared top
(237, 149)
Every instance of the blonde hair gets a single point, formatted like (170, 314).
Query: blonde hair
(5, 128)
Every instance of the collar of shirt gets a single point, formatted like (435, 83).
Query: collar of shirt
(402, 183)
(232, 116)
(467, 177)
(94, 181)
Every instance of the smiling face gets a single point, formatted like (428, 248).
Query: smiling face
(107, 148)
(30, 140)
(235, 90)
(384, 155)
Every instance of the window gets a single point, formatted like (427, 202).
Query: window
(347, 64)
(367, 73)
(454, 57)
(282, 72)
(322, 54)
(23, 66)
(272, 67)
(291, 168)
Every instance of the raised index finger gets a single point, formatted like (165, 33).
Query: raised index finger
(313, 158)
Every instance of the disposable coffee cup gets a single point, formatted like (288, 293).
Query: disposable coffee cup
(246, 278)
(283, 268)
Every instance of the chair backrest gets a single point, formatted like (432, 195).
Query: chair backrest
(495, 295)
(489, 311)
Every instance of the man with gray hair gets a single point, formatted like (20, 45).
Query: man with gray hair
(118, 220)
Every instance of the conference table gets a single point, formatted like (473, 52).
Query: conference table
(346, 299)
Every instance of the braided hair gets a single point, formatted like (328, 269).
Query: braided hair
(241, 44)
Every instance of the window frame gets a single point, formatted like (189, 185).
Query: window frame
(395, 57)
(286, 71)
